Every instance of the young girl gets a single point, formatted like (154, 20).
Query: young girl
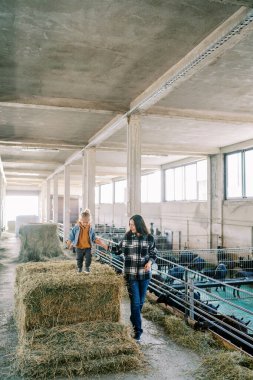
(81, 236)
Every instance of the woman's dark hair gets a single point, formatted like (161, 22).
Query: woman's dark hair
(140, 225)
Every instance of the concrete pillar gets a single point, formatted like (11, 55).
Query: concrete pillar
(209, 203)
(48, 201)
(133, 166)
(217, 193)
(90, 180)
(2, 197)
(84, 180)
(66, 204)
(42, 211)
(1, 202)
(55, 199)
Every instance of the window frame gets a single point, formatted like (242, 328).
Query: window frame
(243, 175)
(184, 184)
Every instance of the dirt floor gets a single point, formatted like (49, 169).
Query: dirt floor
(166, 360)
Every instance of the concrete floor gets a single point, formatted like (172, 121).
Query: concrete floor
(167, 360)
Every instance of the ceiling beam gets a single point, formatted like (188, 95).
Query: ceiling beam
(212, 116)
(9, 163)
(246, 3)
(238, 146)
(108, 130)
(62, 104)
(152, 149)
(38, 145)
(211, 47)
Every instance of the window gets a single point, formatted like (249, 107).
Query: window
(106, 193)
(202, 180)
(191, 182)
(187, 182)
(249, 173)
(120, 191)
(170, 184)
(239, 176)
(151, 187)
(234, 175)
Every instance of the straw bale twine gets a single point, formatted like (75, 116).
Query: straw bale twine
(39, 241)
(77, 350)
(50, 294)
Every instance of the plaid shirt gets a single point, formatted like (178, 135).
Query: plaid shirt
(137, 252)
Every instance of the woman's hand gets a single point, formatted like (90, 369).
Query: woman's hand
(147, 267)
(103, 245)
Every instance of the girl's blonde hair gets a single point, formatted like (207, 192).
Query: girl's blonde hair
(86, 214)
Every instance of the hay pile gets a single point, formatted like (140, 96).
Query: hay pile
(69, 322)
(226, 365)
(39, 242)
(78, 350)
(217, 364)
(52, 293)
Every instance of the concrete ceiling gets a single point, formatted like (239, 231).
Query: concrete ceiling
(72, 72)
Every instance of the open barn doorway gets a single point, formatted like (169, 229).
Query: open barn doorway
(19, 207)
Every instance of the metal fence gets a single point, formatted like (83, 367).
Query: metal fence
(224, 306)
(218, 263)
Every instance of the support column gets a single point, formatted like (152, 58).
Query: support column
(43, 203)
(133, 166)
(217, 192)
(2, 198)
(90, 180)
(84, 180)
(66, 204)
(209, 203)
(1, 202)
(55, 199)
(48, 202)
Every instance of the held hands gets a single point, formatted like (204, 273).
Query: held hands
(69, 244)
(147, 267)
(103, 245)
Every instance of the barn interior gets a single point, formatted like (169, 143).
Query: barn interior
(97, 92)
(132, 107)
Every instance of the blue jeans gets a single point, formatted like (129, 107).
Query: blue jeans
(137, 290)
(82, 253)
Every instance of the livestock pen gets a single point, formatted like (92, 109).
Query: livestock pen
(212, 293)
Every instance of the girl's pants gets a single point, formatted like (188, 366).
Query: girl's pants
(81, 254)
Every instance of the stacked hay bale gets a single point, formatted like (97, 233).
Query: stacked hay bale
(69, 323)
(39, 242)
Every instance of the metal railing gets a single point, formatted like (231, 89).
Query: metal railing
(223, 306)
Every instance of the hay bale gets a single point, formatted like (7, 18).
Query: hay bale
(39, 242)
(50, 294)
(78, 350)
(25, 219)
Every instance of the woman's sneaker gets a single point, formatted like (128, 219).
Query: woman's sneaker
(137, 338)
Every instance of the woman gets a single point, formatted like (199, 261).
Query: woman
(138, 248)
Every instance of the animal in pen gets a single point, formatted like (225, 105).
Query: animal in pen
(206, 315)
(187, 257)
(165, 262)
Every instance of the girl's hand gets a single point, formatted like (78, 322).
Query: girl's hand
(69, 244)
(147, 267)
